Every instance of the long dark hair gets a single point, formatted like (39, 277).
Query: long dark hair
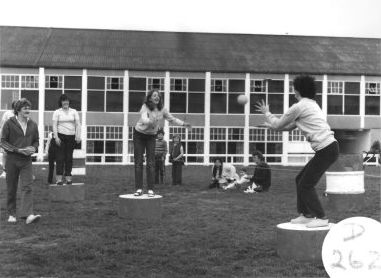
(219, 168)
(149, 103)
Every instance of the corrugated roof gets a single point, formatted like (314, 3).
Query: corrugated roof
(175, 51)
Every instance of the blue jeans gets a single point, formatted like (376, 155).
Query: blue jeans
(144, 143)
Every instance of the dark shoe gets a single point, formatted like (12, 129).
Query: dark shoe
(69, 182)
(59, 183)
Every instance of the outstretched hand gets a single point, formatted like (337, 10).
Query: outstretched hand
(262, 107)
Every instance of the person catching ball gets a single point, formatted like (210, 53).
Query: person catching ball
(309, 118)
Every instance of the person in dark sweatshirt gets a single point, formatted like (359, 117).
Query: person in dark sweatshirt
(262, 173)
(19, 138)
(161, 150)
(177, 160)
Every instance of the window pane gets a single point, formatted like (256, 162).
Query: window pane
(137, 84)
(114, 101)
(275, 86)
(372, 105)
(93, 159)
(136, 100)
(7, 97)
(234, 106)
(114, 147)
(75, 99)
(253, 100)
(236, 85)
(113, 159)
(196, 103)
(97, 83)
(217, 147)
(73, 82)
(352, 88)
(196, 85)
(274, 148)
(178, 103)
(218, 103)
(51, 99)
(352, 105)
(276, 103)
(292, 100)
(256, 147)
(235, 147)
(32, 96)
(335, 104)
(95, 101)
(319, 87)
(273, 159)
(195, 147)
(95, 146)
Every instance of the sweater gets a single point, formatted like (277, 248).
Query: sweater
(13, 138)
(148, 122)
(161, 148)
(309, 118)
(262, 175)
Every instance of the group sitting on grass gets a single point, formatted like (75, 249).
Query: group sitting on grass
(224, 176)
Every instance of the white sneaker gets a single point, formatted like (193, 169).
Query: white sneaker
(12, 219)
(32, 218)
(138, 192)
(3, 175)
(301, 219)
(317, 222)
(151, 193)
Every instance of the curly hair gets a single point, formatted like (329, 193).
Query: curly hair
(305, 85)
(23, 102)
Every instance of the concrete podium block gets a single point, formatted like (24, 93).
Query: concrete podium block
(140, 207)
(297, 242)
(67, 193)
(345, 190)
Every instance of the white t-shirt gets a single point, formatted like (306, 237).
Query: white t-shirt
(66, 121)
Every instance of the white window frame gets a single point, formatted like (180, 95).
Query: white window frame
(102, 136)
(264, 134)
(226, 138)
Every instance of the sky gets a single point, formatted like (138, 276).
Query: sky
(344, 18)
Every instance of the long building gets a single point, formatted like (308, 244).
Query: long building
(106, 74)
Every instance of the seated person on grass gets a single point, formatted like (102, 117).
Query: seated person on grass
(242, 181)
(222, 174)
(261, 180)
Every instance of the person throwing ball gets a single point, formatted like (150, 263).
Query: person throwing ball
(309, 118)
(151, 113)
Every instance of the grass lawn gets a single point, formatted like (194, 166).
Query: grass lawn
(203, 233)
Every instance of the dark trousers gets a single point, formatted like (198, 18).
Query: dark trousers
(177, 173)
(308, 202)
(144, 143)
(159, 169)
(52, 161)
(65, 154)
(19, 168)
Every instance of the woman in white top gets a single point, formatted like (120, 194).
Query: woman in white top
(151, 113)
(67, 132)
(309, 118)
